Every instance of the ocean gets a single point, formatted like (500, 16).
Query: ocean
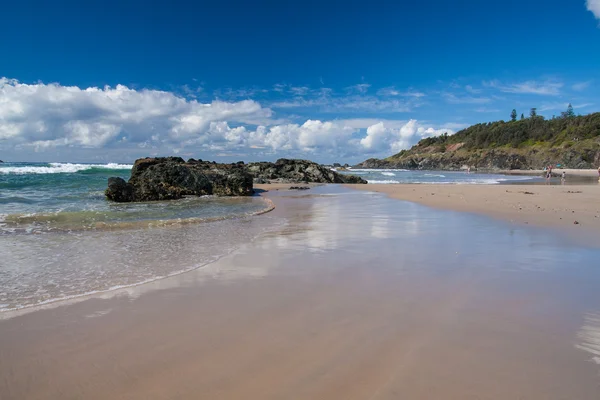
(60, 238)
(391, 176)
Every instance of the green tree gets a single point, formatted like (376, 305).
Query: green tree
(513, 115)
(522, 116)
(570, 113)
(533, 113)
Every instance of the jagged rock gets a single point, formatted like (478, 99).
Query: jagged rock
(119, 190)
(169, 178)
(297, 171)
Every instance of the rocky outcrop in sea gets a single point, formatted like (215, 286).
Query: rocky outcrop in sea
(298, 171)
(170, 178)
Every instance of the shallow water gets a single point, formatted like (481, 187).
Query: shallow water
(437, 177)
(60, 237)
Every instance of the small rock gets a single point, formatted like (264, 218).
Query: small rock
(576, 222)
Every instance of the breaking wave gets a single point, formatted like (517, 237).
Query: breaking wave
(61, 168)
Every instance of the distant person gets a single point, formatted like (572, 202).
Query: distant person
(469, 170)
(563, 177)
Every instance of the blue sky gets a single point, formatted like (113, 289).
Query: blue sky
(329, 80)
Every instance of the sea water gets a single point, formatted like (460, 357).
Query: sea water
(391, 176)
(61, 238)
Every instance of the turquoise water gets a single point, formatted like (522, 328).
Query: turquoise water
(61, 238)
(36, 197)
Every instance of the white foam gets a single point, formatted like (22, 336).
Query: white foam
(388, 174)
(59, 168)
(384, 182)
(378, 170)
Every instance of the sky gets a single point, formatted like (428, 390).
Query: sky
(330, 81)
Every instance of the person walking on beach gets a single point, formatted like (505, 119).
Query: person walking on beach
(564, 176)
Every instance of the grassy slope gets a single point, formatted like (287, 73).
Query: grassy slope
(530, 143)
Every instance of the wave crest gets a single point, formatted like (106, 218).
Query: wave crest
(61, 168)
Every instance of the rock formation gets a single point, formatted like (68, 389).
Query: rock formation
(169, 178)
(297, 171)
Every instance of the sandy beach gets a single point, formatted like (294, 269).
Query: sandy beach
(574, 208)
(332, 307)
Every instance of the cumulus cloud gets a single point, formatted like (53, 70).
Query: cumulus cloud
(380, 137)
(594, 7)
(49, 117)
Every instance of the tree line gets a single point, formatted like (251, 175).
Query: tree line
(569, 113)
(535, 130)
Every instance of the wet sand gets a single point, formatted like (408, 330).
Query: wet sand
(346, 301)
(558, 206)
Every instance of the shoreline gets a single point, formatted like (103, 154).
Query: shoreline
(319, 309)
(574, 208)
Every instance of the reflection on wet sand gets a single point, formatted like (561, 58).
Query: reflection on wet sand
(589, 336)
(353, 296)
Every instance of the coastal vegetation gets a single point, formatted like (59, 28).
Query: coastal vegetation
(529, 143)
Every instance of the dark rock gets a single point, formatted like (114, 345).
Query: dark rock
(169, 178)
(299, 187)
(260, 181)
(295, 171)
(119, 190)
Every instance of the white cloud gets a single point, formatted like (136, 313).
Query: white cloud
(580, 86)
(127, 123)
(471, 89)
(549, 88)
(361, 88)
(329, 104)
(379, 138)
(50, 115)
(454, 99)
(594, 7)
(392, 91)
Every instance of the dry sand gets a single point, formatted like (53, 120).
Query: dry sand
(575, 208)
